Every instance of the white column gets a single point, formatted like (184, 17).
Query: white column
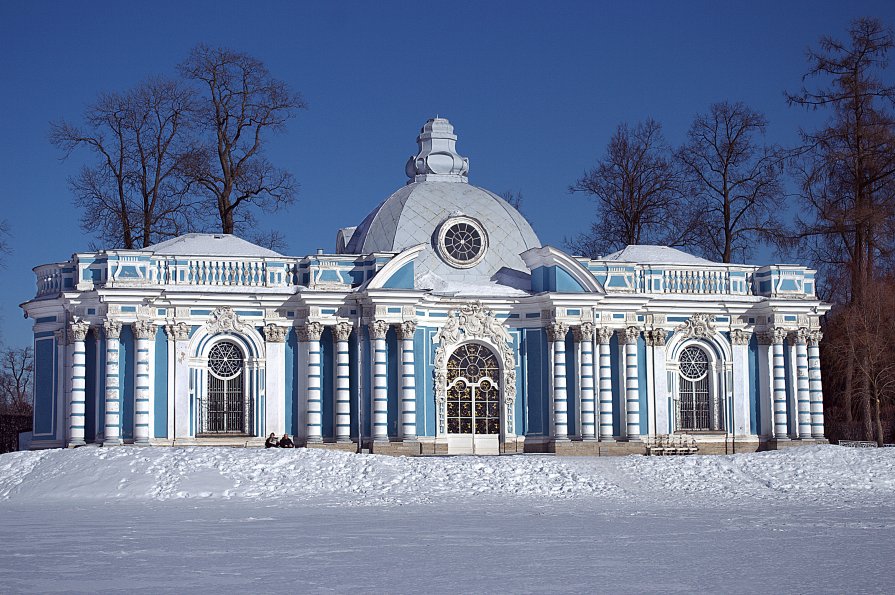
(78, 397)
(660, 382)
(740, 352)
(144, 331)
(275, 377)
(378, 330)
(112, 404)
(632, 382)
(803, 397)
(815, 386)
(311, 333)
(341, 333)
(605, 374)
(408, 380)
(179, 359)
(584, 336)
(776, 337)
(556, 334)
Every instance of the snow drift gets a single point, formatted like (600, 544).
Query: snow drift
(807, 474)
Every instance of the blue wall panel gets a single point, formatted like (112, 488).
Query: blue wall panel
(393, 367)
(161, 385)
(126, 361)
(90, 388)
(291, 407)
(44, 388)
(617, 395)
(645, 412)
(754, 401)
(327, 358)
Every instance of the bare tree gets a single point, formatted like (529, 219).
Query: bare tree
(733, 179)
(134, 195)
(636, 187)
(847, 168)
(242, 104)
(16, 366)
(513, 198)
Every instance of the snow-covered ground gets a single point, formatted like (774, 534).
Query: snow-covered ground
(225, 520)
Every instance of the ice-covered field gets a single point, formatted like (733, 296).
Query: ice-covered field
(818, 519)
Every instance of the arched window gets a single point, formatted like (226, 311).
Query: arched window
(697, 408)
(473, 391)
(224, 409)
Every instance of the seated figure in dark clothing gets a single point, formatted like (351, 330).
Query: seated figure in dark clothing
(271, 441)
(286, 442)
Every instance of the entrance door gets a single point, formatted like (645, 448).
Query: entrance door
(224, 410)
(473, 401)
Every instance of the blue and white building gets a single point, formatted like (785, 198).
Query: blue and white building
(440, 324)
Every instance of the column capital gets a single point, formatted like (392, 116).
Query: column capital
(311, 331)
(798, 337)
(814, 338)
(79, 330)
(557, 332)
(655, 337)
(179, 331)
(143, 329)
(584, 332)
(406, 329)
(740, 337)
(628, 335)
(112, 329)
(59, 335)
(604, 334)
(342, 331)
(378, 329)
(772, 336)
(274, 333)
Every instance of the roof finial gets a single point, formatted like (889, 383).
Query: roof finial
(437, 158)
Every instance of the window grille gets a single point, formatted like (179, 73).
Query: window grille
(225, 409)
(473, 393)
(696, 409)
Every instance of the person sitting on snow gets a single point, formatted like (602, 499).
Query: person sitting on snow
(271, 441)
(286, 442)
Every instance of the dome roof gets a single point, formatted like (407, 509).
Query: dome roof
(470, 232)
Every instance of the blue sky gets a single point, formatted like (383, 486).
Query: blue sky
(534, 90)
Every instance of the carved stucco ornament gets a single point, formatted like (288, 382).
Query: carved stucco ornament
(474, 322)
(699, 326)
(225, 320)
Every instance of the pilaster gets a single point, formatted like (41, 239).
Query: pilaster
(275, 379)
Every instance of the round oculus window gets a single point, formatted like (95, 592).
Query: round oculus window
(462, 242)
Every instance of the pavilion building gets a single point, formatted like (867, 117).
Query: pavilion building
(439, 325)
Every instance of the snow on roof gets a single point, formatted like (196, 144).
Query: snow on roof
(438, 285)
(210, 244)
(647, 253)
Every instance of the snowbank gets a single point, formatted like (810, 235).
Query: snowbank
(817, 474)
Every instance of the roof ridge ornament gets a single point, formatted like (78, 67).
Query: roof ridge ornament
(437, 158)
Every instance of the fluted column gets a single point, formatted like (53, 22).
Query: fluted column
(629, 337)
(605, 374)
(341, 332)
(77, 406)
(584, 336)
(556, 334)
(378, 330)
(112, 405)
(311, 333)
(815, 387)
(144, 331)
(408, 380)
(776, 337)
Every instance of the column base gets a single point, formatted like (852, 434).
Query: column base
(113, 442)
(76, 443)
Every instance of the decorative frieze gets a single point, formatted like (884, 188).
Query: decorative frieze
(274, 333)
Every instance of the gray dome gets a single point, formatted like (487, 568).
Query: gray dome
(433, 200)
